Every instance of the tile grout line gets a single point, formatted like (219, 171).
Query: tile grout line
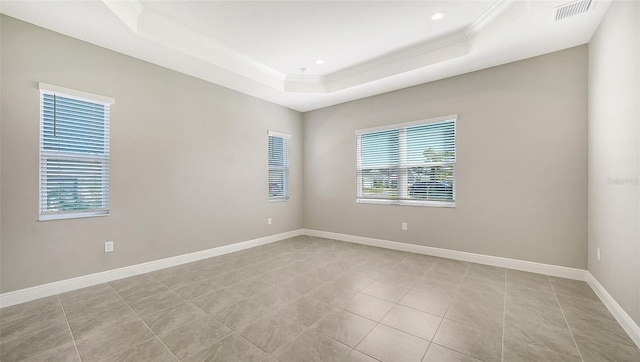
(143, 322)
(248, 341)
(373, 280)
(398, 304)
(292, 339)
(316, 322)
(233, 332)
(190, 301)
(467, 274)
(29, 333)
(431, 342)
(271, 311)
(377, 322)
(412, 288)
(565, 319)
(69, 327)
(446, 310)
(311, 327)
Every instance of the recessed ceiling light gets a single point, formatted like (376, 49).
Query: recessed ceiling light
(437, 16)
(319, 61)
(303, 69)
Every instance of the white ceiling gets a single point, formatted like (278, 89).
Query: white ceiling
(286, 36)
(368, 47)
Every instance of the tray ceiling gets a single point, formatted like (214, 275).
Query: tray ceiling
(310, 54)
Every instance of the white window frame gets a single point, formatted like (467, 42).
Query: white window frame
(284, 169)
(402, 184)
(43, 214)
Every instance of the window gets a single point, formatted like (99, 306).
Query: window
(278, 166)
(408, 164)
(74, 153)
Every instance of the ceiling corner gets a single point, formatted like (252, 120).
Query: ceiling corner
(127, 10)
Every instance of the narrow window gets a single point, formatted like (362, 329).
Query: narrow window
(408, 164)
(74, 153)
(278, 166)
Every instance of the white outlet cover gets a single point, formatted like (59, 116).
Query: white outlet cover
(108, 246)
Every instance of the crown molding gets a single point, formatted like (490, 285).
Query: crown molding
(127, 10)
(488, 16)
(444, 48)
(168, 33)
(447, 47)
(305, 83)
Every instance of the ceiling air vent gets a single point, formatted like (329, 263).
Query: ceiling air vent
(572, 8)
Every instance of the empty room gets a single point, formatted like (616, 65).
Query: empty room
(293, 181)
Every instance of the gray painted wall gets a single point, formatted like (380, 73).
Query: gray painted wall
(521, 162)
(614, 91)
(188, 162)
(181, 146)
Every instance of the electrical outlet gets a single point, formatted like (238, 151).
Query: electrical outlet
(598, 253)
(404, 226)
(269, 221)
(108, 246)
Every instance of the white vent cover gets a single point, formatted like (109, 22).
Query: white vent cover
(572, 8)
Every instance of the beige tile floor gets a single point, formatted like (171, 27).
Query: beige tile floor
(312, 299)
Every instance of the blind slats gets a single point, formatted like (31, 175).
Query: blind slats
(278, 167)
(411, 163)
(74, 156)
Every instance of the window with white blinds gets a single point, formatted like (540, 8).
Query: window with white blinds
(278, 166)
(408, 164)
(74, 153)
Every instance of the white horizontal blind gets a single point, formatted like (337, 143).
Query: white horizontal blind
(410, 164)
(74, 156)
(278, 166)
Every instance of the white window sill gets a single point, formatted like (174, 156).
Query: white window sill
(407, 202)
(75, 215)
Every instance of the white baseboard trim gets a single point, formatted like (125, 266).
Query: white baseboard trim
(529, 266)
(625, 321)
(45, 290)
